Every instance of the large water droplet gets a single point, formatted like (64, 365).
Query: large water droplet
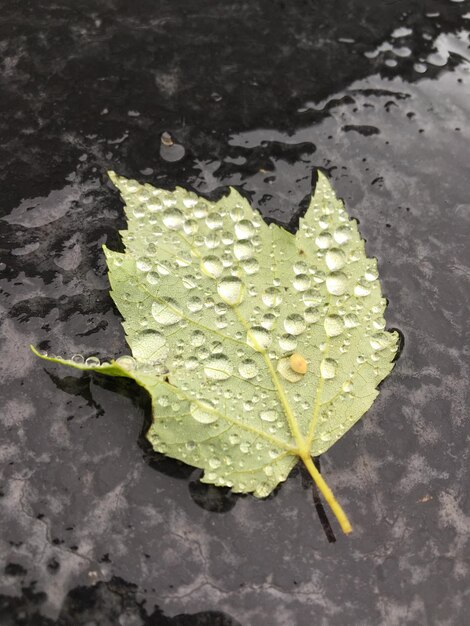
(336, 283)
(231, 290)
(166, 312)
(218, 367)
(258, 338)
(172, 218)
(212, 266)
(334, 325)
(294, 324)
(328, 368)
(150, 345)
(248, 369)
(203, 412)
(335, 259)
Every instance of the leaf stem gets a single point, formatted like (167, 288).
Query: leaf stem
(327, 494)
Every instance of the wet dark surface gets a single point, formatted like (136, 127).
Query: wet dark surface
(94, 528)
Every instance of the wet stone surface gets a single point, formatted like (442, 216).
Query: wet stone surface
(98, 529)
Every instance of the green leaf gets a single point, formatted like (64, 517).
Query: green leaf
(257, 347)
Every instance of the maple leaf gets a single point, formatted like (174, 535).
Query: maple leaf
(257, 347)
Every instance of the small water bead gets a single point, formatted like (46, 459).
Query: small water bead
(234, 439)
(218, 367)
(212, 266)
(324, 241)
(214, 221)
(190, 227)
(250, 266)
(243, 250)
(227, 237)
(231, 289)
(324, 221)
(92, 361)
(244, 229)
(166, 312)
(371, 274)
(335, 259)
(77, 358)
(268, 321)
(248, 369)
(272, 297)
(287, 342)
(258, 338)
(139, 212)
(202, 353)
(311, 315)
(194, 304)
(172, 218)
(351, 320)
(269, 416)
(162, 268)
(311, 297)
(362, 289)
(127, 362)
(380, 341)
(237, 213)
(294, 324)
(378, 323)
(191, 363)
(189, 281)
(328, 368)
(333, 325)
(318, 277)
(336, 283)
(203, 412)
(153, 278)
(301, 282)
(200, 210)
(342, 235)
(212, 241)
(197, 338)
(300, 267)
(268, 470)
(144, 264)
(347, 386)
(214, 463)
